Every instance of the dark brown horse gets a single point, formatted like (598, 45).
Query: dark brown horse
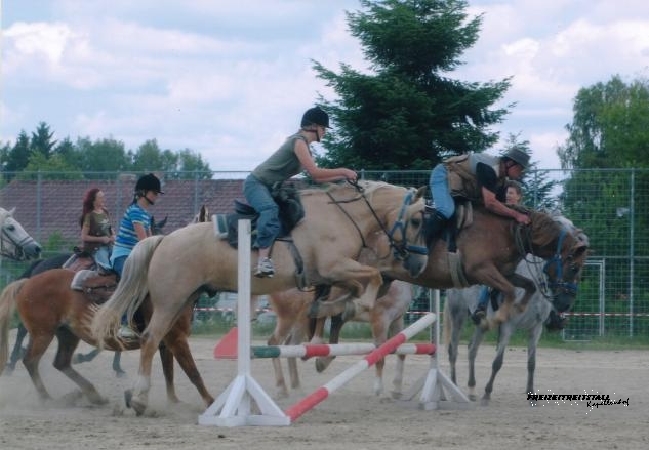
(489, 248)
(48, 307)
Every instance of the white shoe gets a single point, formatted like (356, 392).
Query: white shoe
(126, 332)
(265, 268)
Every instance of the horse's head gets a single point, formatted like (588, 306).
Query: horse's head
(405, 232)
(156, 227)
(15, 242)
(565, 249)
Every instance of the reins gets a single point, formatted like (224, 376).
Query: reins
(401, 250)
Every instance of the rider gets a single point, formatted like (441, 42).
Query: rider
(291, 158)
(96, 231)
(476, 177)
(134, 227)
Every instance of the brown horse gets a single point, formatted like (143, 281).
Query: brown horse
(294, 327)
(330, 240)
(489, 249)
(48, 308)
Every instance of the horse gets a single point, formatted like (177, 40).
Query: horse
(15, 242)
(48, 308)
(56, 262)
(487, 250)
(293, 326)
(324, 248)
(460, 301)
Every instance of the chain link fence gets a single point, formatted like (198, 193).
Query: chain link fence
(611, 206)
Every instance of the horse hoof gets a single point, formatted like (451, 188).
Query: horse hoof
(120, 374)
(320, 366)
(128, 395)
(397, 395)
(78, 359)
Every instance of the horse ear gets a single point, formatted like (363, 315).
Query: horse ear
(12, 210)
(421, 192)
(162, 223)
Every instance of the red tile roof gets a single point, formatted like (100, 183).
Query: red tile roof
(47, 207)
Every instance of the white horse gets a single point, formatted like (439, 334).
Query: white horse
(15, 242)
(460, 302)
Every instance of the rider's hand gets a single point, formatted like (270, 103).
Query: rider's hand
(523, 218)
(350, 175)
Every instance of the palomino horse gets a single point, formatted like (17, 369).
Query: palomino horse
(460, 301)
(48, 307)
(293, 327)
(339, 222)
(488, 252)
(15, 242)
(56, 262)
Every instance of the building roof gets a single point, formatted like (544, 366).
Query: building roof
(47, 207)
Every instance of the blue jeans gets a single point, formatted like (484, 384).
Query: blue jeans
(258, 196)
(102, 257)
(484, 297)
(439, 188)
(118, 265)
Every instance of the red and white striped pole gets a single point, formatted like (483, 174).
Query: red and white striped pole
(382, 351)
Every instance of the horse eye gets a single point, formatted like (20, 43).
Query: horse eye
(416, 222)
(11, 228)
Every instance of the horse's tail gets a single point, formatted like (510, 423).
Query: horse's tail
(7, 306)
(130, 292)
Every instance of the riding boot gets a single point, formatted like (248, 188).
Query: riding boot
(434, 227)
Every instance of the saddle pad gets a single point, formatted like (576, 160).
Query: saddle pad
(220, 222)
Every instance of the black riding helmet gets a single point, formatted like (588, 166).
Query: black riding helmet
(148, 182)
(315, 116)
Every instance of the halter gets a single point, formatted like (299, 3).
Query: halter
(17, 245)
(401, 249)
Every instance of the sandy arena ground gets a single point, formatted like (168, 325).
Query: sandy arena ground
(351, 417)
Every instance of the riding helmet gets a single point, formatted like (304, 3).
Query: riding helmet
(518, 156)
(148, 182)
(315, 116)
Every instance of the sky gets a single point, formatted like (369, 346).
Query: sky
(230, 80)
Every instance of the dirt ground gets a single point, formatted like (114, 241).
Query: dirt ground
(352, 417)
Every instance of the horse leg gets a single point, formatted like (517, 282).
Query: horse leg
(395, 328)
(179, 347)
(68, 342)
(533, 340)
(117, 359)
(276, 339)
(476, 339)
(138, 399)
(35, 349)
(167, 360)
(17, 352)
(336, 324)
(81, 358)
(504, 334)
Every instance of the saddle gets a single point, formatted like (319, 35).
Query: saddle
(80, 260)
(95, 287)
(291, 212)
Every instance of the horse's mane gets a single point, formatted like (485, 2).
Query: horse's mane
(368, 187)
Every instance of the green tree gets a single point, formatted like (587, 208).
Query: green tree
(53, 168)
(18, 157)
(149, 158)
(42, 141)
(191, 165)
(408, 113)
(101, 155)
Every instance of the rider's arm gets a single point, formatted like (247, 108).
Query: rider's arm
(319, 174)
(140, 231)
(87, 237)
(495, 206)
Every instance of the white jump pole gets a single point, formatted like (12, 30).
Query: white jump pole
(431, 385)
(233, 407)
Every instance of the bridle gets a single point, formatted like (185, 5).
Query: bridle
(10, 246)
(401, 249)
(524, 245)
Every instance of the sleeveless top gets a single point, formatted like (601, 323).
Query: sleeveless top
(282, 164)
(127, 238)
(98, 225)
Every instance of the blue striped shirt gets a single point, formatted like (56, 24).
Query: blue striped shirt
(126, 237)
